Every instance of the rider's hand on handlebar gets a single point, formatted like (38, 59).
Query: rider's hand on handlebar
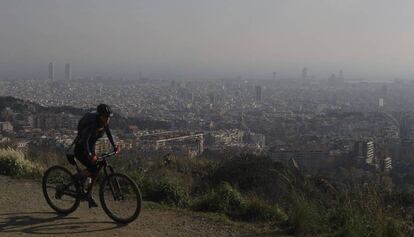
(94, 158)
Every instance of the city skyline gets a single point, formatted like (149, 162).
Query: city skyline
(369, 39)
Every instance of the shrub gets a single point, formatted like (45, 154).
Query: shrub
(166, 192)
(353, 222)
(138, 177)
(13, 163)
(305, 219)
(258, 210)
(394, 229)
(228, 200)
(347, 222)
(224, 199)
(146, 186)
(252, 173)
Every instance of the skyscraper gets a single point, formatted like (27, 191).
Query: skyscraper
(274, 75)
(304, 73)
(51, 72)
(364, 152)
(381, 102)
(68, 75)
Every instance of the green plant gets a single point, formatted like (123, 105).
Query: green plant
(305, 219)
(255, 174)
(167, 192)
(394, 228)
(138, 177)
(224, 199)
(258, 210)
(13, 163)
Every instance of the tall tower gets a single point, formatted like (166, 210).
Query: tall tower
(51, 72)
(274, 75)
(68, 75)
(364, 152)
(304, 73)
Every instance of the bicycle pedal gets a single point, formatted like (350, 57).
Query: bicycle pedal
(91, 202)
(83, 196)
(92, 205)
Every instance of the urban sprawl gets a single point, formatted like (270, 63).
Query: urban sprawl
(308, 121)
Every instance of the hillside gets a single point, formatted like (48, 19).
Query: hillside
(118, 122)
(26, 215)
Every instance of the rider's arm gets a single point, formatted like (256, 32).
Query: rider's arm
(109, 135)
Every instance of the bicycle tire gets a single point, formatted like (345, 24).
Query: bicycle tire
(49, 201)
(136, 193)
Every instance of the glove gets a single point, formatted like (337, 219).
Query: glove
(117, 149)
(94, 158)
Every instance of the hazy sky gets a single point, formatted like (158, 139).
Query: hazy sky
(210, 38)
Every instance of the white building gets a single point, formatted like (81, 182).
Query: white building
(6, 127)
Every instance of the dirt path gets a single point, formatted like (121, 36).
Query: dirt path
(24, 212)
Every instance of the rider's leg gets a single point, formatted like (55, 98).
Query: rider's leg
(86, 173)
(93, 170)
(84, 158)
(92, 183)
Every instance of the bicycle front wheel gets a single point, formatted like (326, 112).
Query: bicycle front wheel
(120, 198)
(60, 190)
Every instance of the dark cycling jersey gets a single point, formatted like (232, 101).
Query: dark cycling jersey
(89, 131)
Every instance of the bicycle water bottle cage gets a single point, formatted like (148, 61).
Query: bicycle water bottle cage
(71, 159)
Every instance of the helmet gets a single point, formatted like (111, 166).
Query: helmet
(104, 110)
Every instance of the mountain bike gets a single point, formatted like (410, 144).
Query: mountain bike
(119, 195)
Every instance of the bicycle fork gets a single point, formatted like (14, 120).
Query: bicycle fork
(114, 185)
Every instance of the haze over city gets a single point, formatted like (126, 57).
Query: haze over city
(208, 39)
(247, 118)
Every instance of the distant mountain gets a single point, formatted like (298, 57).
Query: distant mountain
(18, 105)
(117, 122)
(27, 107)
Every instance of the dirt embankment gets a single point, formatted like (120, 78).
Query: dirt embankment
(24, 212)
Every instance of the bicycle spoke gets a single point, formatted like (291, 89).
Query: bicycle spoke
(59, 189)
(121, 197)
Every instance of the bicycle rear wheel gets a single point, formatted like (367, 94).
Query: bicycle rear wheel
(120, 198)
(60, 190)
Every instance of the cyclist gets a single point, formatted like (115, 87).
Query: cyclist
(91, 127)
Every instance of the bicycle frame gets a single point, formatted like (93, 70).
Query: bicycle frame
(102, 163)
(64, 190)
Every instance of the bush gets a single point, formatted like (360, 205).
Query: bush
(228, 200)
(13, 163)
(162, 191)
(252, 173)
(258, 210)
(146, 186)
(166, 192)
(223, 199)
(305, 219)
(138, 177)
(394, 229)
(353, 222)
